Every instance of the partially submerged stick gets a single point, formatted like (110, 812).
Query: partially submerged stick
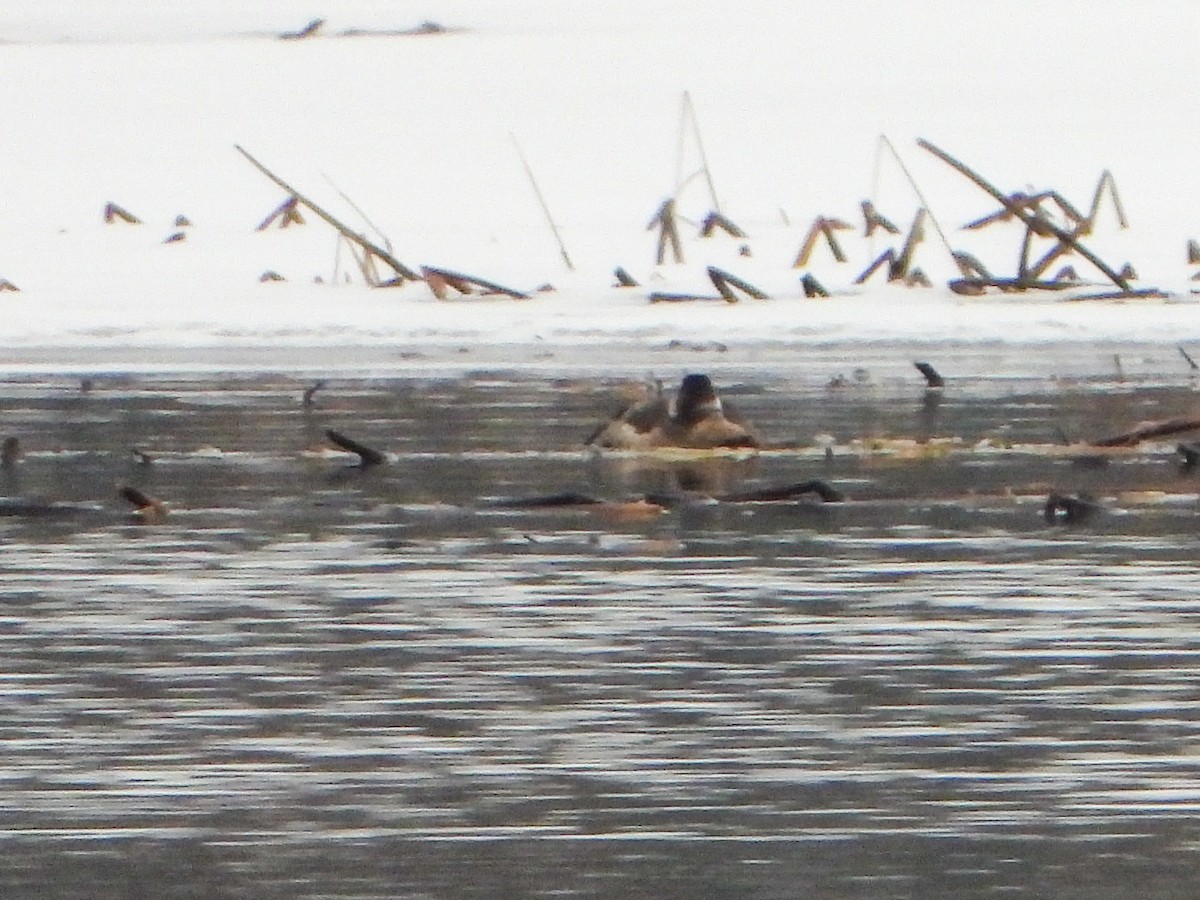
(1149, 430)
(402, 271)
(933, 378)
(367, 456)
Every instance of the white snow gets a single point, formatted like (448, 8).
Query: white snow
(142, 104)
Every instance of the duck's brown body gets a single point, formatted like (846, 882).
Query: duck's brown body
(695, 419)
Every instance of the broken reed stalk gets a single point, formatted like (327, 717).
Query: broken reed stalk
(1107, 182)
(439, 279)
(898, 270)
(668, 232)
(403, 272)
(562, 249)
(687, 114)
(354, 206)
(112, 213)
(715, 220)
(824, 227)
(874, 219)
(885, 142)
(728, 285)
(1039, 224)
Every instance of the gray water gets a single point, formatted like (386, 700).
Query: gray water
(313, 680)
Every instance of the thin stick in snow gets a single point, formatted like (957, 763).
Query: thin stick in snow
(542, 202)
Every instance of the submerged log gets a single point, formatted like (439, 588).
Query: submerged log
(1148, 430)
(367, 456)
(778, 493)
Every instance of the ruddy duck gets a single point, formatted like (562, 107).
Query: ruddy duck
(695, 418)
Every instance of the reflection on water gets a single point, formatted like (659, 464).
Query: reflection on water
(319, 681)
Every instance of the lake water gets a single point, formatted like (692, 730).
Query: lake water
(317, 681)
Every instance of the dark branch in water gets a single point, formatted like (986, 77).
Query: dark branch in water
(778, 493)
(367, 456)
(932, 378)
(1068, 509)
(1148, 430)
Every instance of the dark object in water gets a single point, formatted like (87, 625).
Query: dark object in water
(367, 456)
(1149, 430)
(1190, 454)
(10, 452)
(546, 501)
(145, 507)
(307, 399)
(34, 509)
(1069, 509)
(777, 493)
(932, 378)
(695, 418)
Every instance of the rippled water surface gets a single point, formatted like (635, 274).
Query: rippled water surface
(315, 680)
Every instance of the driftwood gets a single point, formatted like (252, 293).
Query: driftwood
(1039, 224)
(6, 285)
(441, 280)
(1149, 430)
(114, 213)
(728, 286)
(367, 456)
(369, 248)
